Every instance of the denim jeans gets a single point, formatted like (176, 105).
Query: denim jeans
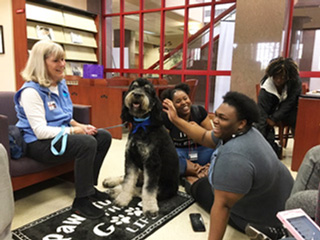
(204, 155)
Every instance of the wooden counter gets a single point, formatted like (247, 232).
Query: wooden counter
(307, 132)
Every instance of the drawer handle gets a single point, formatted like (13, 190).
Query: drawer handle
(74, 93)
(104, 96)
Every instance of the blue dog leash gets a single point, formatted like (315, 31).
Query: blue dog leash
(115, 126)
(64, 137)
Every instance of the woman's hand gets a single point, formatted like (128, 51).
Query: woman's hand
(270, 122)
(85, 129)
(90, 130)
(169, 108)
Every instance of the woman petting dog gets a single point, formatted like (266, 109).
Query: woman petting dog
(249, 183)
(44, 109)
(194, 159)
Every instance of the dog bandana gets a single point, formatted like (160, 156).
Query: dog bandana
(140, 123)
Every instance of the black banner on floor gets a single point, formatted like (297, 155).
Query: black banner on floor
(127, 223)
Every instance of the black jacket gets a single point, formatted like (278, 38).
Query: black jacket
(271, 107)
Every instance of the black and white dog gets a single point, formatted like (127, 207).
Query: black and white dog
(150, 156)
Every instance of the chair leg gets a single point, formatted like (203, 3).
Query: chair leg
(281, 130)
(286, 136)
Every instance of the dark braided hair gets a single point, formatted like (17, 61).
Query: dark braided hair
(246, 108)
(286, 67)
(168, 93)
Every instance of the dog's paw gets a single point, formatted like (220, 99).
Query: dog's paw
(114, 192)
(111, 182)
(150, 208)
(123, 199)
(150, 214)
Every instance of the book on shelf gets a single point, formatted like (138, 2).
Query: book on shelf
(45, 32)
(76, 38)
(76, 68)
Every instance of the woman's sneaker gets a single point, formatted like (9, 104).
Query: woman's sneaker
(259, 232)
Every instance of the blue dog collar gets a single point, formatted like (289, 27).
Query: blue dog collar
(140, 119)
(140, 123)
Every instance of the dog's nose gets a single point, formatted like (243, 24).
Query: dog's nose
(137, 95)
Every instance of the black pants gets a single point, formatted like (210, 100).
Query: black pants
(268, 132)
(88, 152)
(202, 192)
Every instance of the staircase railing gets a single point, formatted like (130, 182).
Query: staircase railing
(178, 50)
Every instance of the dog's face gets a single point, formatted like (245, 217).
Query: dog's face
(140, 99)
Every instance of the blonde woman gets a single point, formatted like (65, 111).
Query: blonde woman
(44, 109)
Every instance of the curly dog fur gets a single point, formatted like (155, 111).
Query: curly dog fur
(150, 156)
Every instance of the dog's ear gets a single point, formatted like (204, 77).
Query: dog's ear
(125, 116)
(156, 117)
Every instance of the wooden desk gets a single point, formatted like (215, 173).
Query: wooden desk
(307, 132)
(106, 105)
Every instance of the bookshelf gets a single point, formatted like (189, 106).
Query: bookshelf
(75, 29)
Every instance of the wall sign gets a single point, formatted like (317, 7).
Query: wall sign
(1, 40)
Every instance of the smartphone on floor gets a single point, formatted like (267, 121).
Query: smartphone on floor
(197, 222)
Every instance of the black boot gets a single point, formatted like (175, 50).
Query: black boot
(99, 196)
(278, 149)
(83, 206)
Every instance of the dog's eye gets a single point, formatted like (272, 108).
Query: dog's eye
(134, 85)
(147, 88)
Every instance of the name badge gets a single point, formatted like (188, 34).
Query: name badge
(52, 105)
(193, 155)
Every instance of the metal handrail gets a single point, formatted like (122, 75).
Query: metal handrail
(197, 34)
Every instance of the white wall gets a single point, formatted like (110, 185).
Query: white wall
(224, 61)
(315, 82)
(7, 69)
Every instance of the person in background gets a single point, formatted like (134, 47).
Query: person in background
(305, 193)
(194, 159)
(44, 110)
(278, 98)
(248, 181)
(6, 196)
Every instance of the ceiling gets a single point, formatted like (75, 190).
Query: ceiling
(307, 17)
(307, 14)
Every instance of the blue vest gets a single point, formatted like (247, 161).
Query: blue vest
(58, 109)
